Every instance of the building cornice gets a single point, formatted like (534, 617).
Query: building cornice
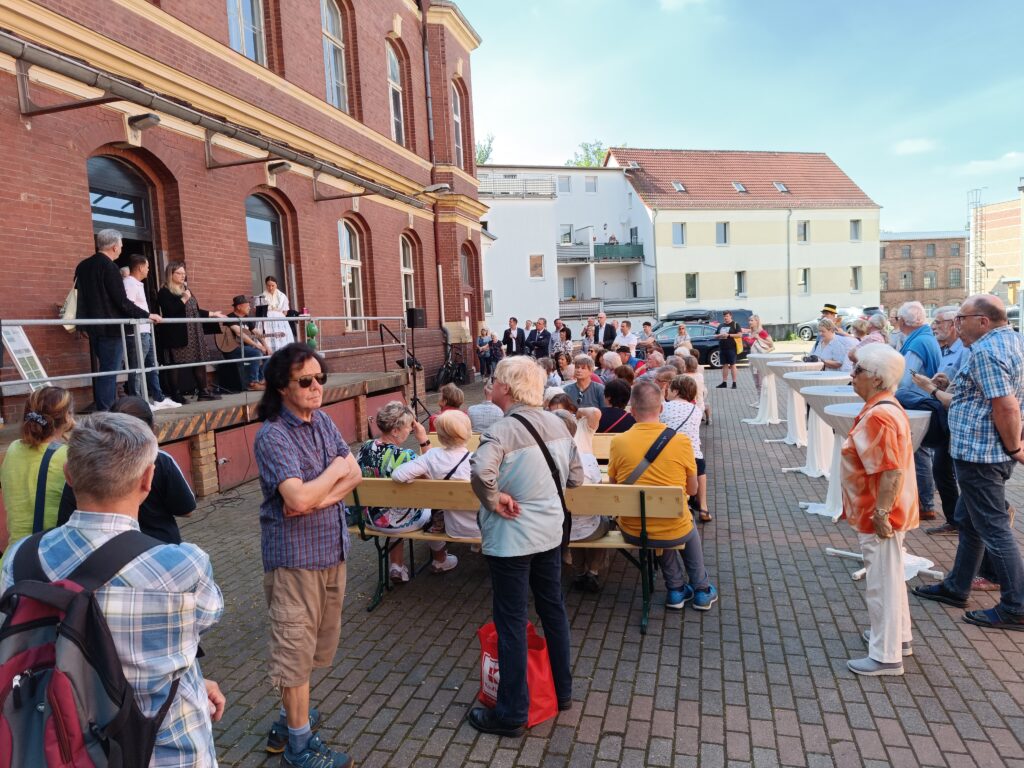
(451, 18)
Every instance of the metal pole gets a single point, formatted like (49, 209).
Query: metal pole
(140, 360)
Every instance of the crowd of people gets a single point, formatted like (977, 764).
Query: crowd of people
(71, 487)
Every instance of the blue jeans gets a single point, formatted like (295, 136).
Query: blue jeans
(510, 577)
(110, 354)
(149, 361)
(672, 561)
(925, 481)
(248, 373)
(984, 525)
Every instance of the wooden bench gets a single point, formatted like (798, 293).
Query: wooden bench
(602, 444)
(640, 501)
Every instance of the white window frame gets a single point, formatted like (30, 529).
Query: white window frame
(460, 159)
(529, 260)
(565, 237)
(855, 230)
(696, 286)
(959, 283)
(488, 302)
(335, 72)
(350, 255)
(679, 234)
(407, 265)
(741, 283)
(803, 231)
(239, 30)
(856, 279)
(723, 228)
(589, 181)
(567, 189)
(934, 280)
(395, 95)
(803, 280)
(568, 294)
(903, 285)
(465, 269)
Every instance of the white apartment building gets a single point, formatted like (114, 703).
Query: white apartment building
(568, 242)
(779, 233)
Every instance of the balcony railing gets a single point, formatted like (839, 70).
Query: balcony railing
(572, 254)
(619, 252)
(521, 188)
(582, 308)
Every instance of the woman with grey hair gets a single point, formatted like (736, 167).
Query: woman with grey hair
(880, 502)
(609, 362)
(379, 458)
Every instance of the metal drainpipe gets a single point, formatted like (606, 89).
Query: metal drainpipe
(83, 73)
(789, 276)
(654, 246)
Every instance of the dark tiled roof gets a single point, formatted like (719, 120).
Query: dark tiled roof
(811, 178)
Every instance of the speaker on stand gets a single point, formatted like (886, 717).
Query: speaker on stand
(415, 317)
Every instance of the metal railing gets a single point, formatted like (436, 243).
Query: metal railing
(351, 328)
(517, 188)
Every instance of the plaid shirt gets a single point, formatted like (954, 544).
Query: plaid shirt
(156, 607)
(289, 447)
(995, 369)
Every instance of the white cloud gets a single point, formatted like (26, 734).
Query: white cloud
(914, 146)
(675, 5)
(1011, 161)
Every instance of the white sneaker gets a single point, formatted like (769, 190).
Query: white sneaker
(399, 574)
(165, 403)
(449, 564)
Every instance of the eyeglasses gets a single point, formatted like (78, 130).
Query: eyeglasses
(960, 318)
(858, 370)
(305, 382)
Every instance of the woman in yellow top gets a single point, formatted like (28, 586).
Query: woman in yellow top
(28, 486)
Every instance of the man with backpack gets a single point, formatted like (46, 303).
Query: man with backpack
(98, 607)
(650, 453)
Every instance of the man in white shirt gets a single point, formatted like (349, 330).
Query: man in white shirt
(138, 266)
(482, 415)
(626, 338)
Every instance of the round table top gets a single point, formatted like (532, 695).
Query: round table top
(760, 361)
(840, 417)
(782, 367)
(770, 355)
(820, 396)
(810, 378)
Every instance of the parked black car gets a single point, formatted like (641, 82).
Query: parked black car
(702, 336)
(706, 316)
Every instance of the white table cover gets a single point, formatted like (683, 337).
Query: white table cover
(796, 424)
(768, 403)
(819, 434)
(819, 397)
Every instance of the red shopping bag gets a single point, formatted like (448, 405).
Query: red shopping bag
(539, 680)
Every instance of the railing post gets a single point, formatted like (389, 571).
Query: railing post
(140, 360)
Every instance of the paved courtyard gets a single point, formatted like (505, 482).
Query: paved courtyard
(759, 680)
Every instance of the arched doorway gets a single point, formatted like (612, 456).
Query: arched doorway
(266, 251)
(120, 198)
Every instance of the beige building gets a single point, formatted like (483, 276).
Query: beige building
(779, 233)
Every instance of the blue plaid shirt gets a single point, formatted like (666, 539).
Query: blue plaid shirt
(290, 447)
(156, 607)
(995, 369)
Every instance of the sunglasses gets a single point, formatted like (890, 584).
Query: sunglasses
(858, 370)
(305, 382)
(579, 398)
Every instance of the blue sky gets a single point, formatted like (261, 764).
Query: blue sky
(919, 102)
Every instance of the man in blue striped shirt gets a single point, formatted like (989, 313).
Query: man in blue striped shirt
(985, 443)
(306, 469)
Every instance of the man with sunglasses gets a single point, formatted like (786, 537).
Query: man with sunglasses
(985, 443)
(584, 391)
(306, 469)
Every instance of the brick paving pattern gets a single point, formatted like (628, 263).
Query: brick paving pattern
(760, 680)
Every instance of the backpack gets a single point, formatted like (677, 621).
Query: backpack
(64, 699)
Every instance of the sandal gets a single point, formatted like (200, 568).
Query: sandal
(991, 619)
(705, 516)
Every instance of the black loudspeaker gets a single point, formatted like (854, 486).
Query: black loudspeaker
(415, 317)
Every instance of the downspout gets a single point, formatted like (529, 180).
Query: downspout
(424, 7)
(654, 247)
(789, 274)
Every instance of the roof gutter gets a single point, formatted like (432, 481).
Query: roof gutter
(125, 91)
(789, 274)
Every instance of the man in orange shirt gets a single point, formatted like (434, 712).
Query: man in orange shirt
(880, 502)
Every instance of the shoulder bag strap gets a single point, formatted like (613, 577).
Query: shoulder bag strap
(113, 555)
(555, 475)
(652, 453)
(44, 471)
(457, 465)
(614, 424)
(26, 561)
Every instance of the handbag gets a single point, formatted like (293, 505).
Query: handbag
(739, 345)
(539, 680)
(69, 309)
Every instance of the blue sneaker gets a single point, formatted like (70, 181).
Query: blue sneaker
(677, 598)
(315, 755)
(277, 739)
(704, 598)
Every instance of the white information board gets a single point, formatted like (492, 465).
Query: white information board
(25, 358)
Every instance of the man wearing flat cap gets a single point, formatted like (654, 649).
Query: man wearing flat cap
(828, 312)
(241, 341)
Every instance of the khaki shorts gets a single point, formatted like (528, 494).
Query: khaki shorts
(305, 621)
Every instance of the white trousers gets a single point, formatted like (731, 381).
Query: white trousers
(885, 593)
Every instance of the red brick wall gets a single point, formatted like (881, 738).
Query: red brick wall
(894, 264)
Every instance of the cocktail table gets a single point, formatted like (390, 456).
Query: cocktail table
(819, 434)
(796, 424)
(768, 403)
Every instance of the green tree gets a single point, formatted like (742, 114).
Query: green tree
(589, 155)
(484, 149)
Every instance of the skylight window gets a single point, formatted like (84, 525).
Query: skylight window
(780, 186)
(678, 186)
(738, 187)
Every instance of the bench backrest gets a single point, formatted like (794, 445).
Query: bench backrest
(602, 444)
(472, 445)
(583, 501)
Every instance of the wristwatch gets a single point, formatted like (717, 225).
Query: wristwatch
(1013, 453)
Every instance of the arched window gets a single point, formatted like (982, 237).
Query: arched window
(245, 29)
(464, 258)
(120, 199)
(395, 95)
(457, 126)
(351, 273)
(266, 251)
(408, 272)
(334, 54)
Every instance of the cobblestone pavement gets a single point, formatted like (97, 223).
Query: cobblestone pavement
(759, 680)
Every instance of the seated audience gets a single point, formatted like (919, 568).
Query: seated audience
(451, 399)
(614, 416)
(584, 391)
(482, 415)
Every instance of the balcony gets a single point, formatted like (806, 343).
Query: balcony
(518, 188)
(627, 253)
(569, 309)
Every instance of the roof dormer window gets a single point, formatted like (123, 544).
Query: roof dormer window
(738, 187)
(678, 186)
(780, 186)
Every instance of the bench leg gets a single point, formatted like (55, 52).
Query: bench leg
(383, 584)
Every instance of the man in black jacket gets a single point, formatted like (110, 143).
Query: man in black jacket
(514, 339)
(604, 332)
(539, 340)
(101, 296)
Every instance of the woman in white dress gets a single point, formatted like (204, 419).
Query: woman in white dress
(278, 333)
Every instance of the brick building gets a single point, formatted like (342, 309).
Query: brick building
(220, 131)
(930, 267)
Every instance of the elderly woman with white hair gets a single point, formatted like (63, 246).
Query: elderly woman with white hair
(880, 502)
(919, 348)
(609, 362)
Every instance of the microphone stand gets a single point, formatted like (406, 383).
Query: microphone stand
(412, 365)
